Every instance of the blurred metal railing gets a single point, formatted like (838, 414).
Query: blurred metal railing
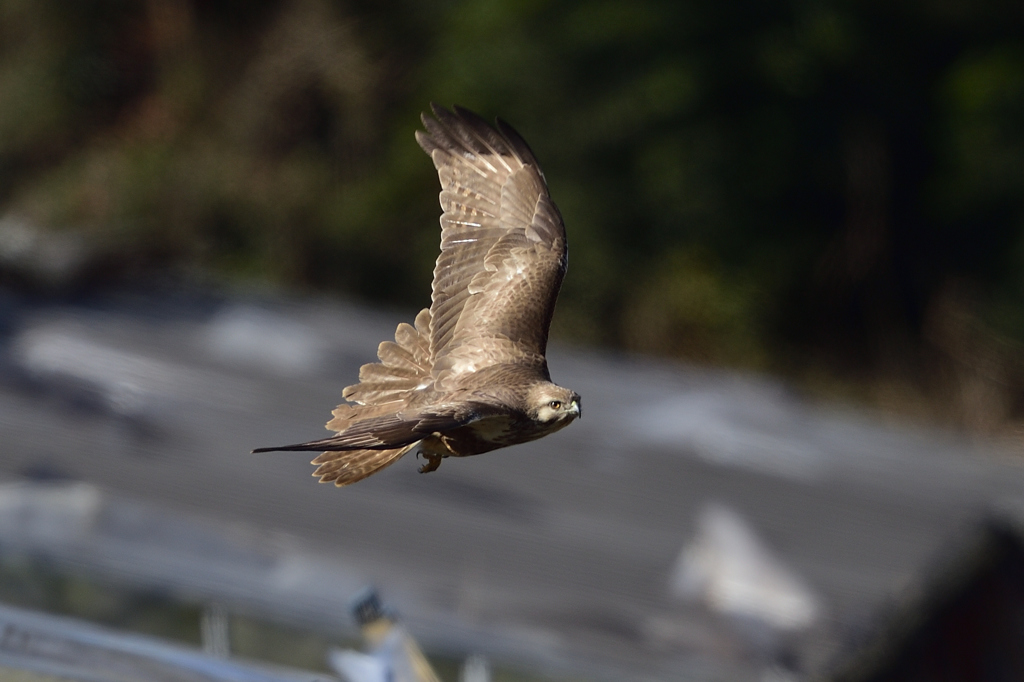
(73, 650)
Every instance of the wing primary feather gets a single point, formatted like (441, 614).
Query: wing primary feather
(485, 134)
(522, 149)
(458, 134)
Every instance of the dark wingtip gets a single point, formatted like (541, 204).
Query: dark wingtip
(438, 110)
(469, 115)
(517, 141)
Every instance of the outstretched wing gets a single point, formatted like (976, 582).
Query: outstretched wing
(503, 247)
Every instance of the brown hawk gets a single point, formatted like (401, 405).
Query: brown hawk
(469, 376)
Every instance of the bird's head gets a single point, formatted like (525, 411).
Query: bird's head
(552, 404)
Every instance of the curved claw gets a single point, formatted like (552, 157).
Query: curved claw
(432, 463)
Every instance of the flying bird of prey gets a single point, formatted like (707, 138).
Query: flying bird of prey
(469, 376)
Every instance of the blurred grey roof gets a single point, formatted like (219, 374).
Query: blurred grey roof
(563, 555)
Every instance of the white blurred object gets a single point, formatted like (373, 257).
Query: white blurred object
(128, 383)
(475, 669)
(743, 425)
(394, 655)
(357, 667)
(56, 513)
(47, 255)
(774, 673)
(252, 336)
(729, 569)
(395, 658)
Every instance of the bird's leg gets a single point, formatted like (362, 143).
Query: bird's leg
(433, 462)
(433, 450)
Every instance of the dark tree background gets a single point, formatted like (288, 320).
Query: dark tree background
(830, 189)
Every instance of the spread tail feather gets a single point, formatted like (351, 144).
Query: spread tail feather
(343, 468)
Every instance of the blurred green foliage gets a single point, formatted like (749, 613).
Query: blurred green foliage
(796, 185)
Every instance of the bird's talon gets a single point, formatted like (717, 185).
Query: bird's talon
(432, 463)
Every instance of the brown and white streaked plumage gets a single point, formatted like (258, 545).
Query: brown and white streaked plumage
(470, 375)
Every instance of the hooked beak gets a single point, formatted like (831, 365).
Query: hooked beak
(574, 408)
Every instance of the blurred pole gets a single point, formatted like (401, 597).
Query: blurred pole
(213, 630)
(475, 669)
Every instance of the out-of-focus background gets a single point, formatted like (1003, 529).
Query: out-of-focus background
(795, 310)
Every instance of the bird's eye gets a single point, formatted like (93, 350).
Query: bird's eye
(555, 404)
